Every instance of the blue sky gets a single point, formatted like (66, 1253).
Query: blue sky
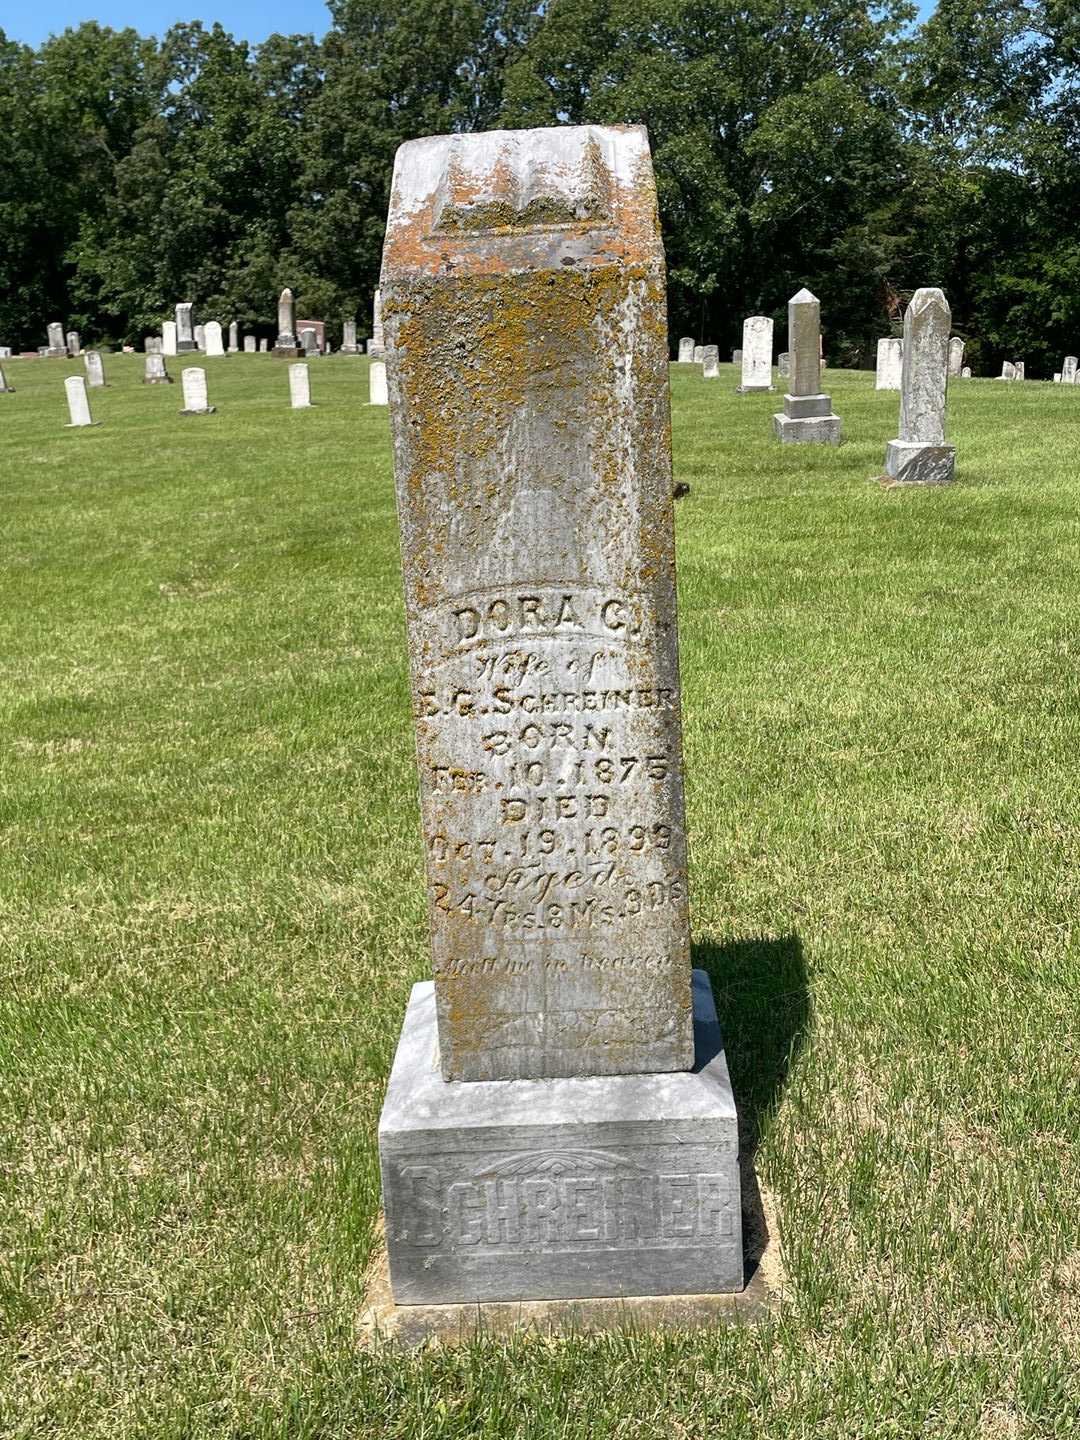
(246, 19)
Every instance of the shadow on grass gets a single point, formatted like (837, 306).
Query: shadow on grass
(763, 1003)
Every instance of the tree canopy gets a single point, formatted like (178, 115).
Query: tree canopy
(828, 143)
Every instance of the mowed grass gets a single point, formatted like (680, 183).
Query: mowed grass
(212, 909)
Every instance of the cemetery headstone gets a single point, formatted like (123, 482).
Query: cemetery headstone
(890, 360)
(200, 338)
(78, 403)
(214, 340)
(920, 456)
(250, 345)
(377, 343)
(299, 387)
(309, 343)
(808, 417)
(57, 346)
(710, 362)
(584, 1156)
(95, 369)
(5, 388)
(1019, 371)
(956, 355)
(699, 354)
(783, 363)
(185, 331)
(74, 345)
(152, 345)
(757, 353)
(264, 346)
(5, 352)
(1068, 370)
(348, 338)
(154, 372)
(319, 326)
(736, 357)
(168, 337)
(285, 346)
(234, 337)
(686, 350)
(965, 374)
(377, 389)
(1008, 370)
(193, 381)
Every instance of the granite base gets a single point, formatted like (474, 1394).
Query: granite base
(908, 462)
(807, 430)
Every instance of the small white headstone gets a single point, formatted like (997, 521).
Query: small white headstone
(5, 388)
(200, 338)
(1068, 370)
(78, 402)
(234, 337)
(168, 337)
(250, 345)
(890, 361)
(193, 380)
(299, 386)
(377, 382)
(757, 353)
(73, 343)
(212, 338)
(686, 350)
(710, 362)
(95, 370)
(264, 346)
(965, 373)
(155, 372)
(698, 354)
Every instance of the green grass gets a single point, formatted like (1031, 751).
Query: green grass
(211, 911)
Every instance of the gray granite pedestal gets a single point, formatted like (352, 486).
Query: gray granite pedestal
(909, 462)
(503, 1190)
(807, 420)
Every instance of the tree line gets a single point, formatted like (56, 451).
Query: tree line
(829, 143)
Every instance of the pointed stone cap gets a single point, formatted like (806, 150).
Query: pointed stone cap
(928, 297)
(804, 297)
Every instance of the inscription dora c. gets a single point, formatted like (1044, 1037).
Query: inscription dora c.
(557, 613)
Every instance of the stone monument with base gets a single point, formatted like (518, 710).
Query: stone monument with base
(286, 346)
(807, 417)
(57, 346)
(559, 1121)
(185, 329)
(920, 455)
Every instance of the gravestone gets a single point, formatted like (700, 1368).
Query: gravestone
(377, 343)
(285, 346)
(582, 1156)
(95, 369)
(965, 374)
(5, 352)
(348, 338)
(710, 362)
(264, 346)
(736, 357)
(152, 345)
(1018, 373)
(5, 388)
(783, 363)
(377, 391)
(309, 342)
(234, 337)
(193, 381)
(74, 345)
(757, 353)
(319, 326)
(185, 332)
(699, 354)
(168, 337)
(920, 456)
(1008, 370)
(1068, 370)
(78, 403)
(200, 338)
(890, 360)
(154, 372)
(299, 387)
(807, 417)
(956, 355)
(686, 350)
(57, 346)
(249, 345)
(215, 342)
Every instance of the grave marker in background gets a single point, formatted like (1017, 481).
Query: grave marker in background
(193, 381)
(920, 456)
(890, 362)
(95, 369)
(154, 372)
(249, 345)
(348, 338)
(78, 402)
(710, 362)
(168, 337)
(299, 387)
(185, 333)
(377, 388)
(757, 353)
(686, 350)
(956, 355)
(807, 417)
(214, 339)
(285, 346)
(57, 346)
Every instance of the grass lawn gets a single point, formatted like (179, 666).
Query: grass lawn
(211, 911)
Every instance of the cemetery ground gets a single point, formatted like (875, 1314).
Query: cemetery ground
(212, 910)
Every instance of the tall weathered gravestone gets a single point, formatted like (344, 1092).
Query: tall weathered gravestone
(1008, 370)
(807, 417)
(285, 346)
(78, 403)
(193, 383)
(200, 338)
(686, 350)
(299, 387)
(95, 369)
(956, 355)
(168, 337)
(524, 292)
(890, 364)
(74, 344)
(234, 337)
(264, 346)
(920, 456)
(757, 353)
(699, 354)
(185, 329)
(57, 346)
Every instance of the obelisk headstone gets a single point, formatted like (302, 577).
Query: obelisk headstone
(168, 337)
(956, 355)
(757, 353)
(234, 337)
(154, 372)
(686, 350)
(57, 346)
(528, 371)
(348, 338)
(193, 381)
(299, 387)
(807, 418)
(285, 346)
(78, 402)
(890, 362)
(377, 391)
(215, 340)
(710, 362)
(250, 345)
(1068, 370)
(920, 456)
(95, 369)
(185, 329)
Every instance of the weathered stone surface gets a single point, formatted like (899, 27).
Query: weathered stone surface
(523, 292)
(377, 388)
(965, 373)
(807, 418)
(74, 344)
(57, 346)
(710, 362)
(264, 347)
(250, 345)
(309, 343)
(920, 455)
(783, 363)
(1019, 371)
(1057, 377)
(200, 338)
(215, 340)
(299, 387)
(154, 372)
(78, 402)
(1068, 370)
(686, 350)
(193, 380)
(699, 354)
(757, 353)
(1008, 370)
(185, 329)
(890, 361)
(736, 357)
(510, 1190)
(5, 388)
(95, 369)
(377, 343)
(152, 345)
(234, 337)
(319, 327)
(168, 337)
(956, 355)
(348, 338)
(285, 346)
